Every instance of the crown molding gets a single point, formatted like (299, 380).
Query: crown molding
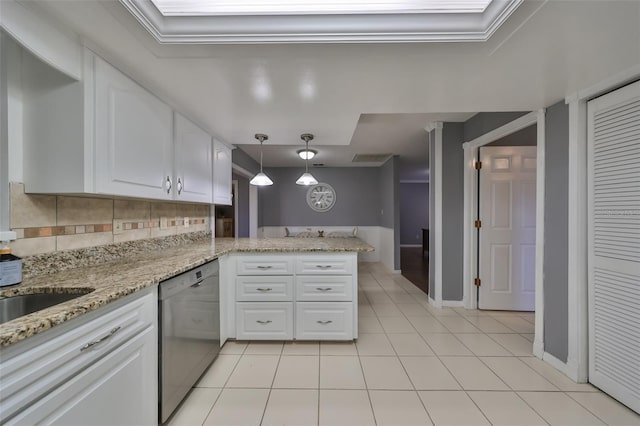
(322, 28)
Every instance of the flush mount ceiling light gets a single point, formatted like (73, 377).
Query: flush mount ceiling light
(261, 179)
(307, 154)
(320, 21)
(306, 178)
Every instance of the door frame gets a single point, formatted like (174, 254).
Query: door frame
(470, 251)
(234, 185)
(253, 201)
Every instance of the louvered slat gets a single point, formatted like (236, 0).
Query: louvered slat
(614, 235)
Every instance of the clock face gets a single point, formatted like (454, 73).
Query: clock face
(321, 197)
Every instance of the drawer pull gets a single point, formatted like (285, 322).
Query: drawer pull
(100, 340)
(264, 289)
(324, 289)
(264, 322)
(264, 267)
(324, 322)
(323, 266)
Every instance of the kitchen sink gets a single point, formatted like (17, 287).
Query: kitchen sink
(18, 306)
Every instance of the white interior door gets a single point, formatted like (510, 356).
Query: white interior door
(507, 253)
(614, 243)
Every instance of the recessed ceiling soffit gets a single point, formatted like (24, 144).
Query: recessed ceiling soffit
(320, 21)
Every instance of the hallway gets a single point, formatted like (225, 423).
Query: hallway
(412, 365)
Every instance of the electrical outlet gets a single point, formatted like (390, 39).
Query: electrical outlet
(164, 222)
(118, 227)
(418, 236)
(186, 222)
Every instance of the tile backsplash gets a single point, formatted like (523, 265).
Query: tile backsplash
(48, 223)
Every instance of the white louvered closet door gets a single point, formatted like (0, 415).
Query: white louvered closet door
(614, 243)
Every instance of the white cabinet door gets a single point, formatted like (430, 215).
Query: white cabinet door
(221, 174)
(193, 162)
(113, 391)
(134, 138)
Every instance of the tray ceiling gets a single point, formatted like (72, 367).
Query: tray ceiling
(320, 21)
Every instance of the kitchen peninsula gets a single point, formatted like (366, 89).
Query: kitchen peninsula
(59, 363)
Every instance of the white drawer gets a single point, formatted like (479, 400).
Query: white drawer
(264, 265)
(264, 289)
(312, 288)
(325, 265)
(324, 321)
(264, 320)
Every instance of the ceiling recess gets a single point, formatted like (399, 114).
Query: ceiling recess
(320, 21)
(370, 158)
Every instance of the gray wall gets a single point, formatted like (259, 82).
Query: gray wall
(432, 204)
(452, 210)
(242, 198)
(525, 137)
(242, 159)
(556, 238)
(390, 203)
(358, 198)
(414, 212)
(485, 122)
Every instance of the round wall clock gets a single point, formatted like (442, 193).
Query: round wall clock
(321, 197)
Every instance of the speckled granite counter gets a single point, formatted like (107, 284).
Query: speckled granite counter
(117, 270)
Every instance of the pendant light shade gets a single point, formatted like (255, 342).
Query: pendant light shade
(261, 179)
(306, 178)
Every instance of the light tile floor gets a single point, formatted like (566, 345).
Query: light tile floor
(412, 365)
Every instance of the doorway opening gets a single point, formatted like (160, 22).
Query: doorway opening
(471, 202)
(414, 232)
(226, 216)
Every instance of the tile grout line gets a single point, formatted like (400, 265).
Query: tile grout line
(275, 374)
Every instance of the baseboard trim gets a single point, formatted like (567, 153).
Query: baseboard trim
(452, 304)
(557, 364)
(538, 349)
(433, 303)
(411, 245)
(397, 272)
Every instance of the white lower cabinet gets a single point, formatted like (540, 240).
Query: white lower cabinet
(264, 321)
(324, 321)
(97, 369)
(113, 391)
(295, 296)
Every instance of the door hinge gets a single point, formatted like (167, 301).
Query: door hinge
(478, 165)
(477, 224)
(477, 282)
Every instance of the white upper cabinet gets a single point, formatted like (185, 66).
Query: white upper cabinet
(108, 135)
(134, 143)
(221, 174)
(192, 161)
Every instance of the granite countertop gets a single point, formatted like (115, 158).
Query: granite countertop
(114, 271)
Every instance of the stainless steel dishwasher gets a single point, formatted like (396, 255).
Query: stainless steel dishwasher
(189, 341)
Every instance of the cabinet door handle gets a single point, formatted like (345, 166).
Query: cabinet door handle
(324, 289)
(323, 266)
(264, 322)
(324, 322)
(179, 186)
(100, 340)
(264, 289)
(264, 267)
(168, 182)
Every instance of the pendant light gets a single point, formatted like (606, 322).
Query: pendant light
(306, 178)
(261, 179)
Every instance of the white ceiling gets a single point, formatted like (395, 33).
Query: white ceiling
(543, 52)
